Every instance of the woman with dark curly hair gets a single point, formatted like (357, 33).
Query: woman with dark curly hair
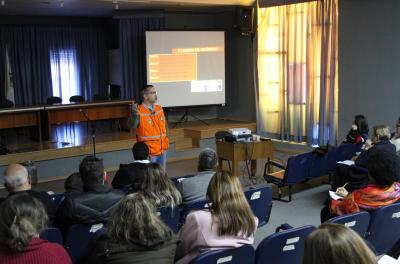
(383, 189)
(22, 217)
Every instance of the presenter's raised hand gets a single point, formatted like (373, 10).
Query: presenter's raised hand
(135, 109)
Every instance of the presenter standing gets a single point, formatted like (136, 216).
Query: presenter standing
(151, 127)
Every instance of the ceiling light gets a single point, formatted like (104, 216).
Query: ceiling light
(2, 2)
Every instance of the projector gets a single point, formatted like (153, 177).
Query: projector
(239, 131)
(239, 135)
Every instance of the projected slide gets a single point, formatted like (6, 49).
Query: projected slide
(186, 67)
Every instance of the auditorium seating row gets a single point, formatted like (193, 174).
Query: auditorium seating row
(379, 228)
(306, 166)
(260, 200)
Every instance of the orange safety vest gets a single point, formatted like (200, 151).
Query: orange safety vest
(152, 129)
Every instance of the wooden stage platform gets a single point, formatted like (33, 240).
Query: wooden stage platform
(68, 142)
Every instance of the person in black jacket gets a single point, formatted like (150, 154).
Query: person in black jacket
(356, 176)
(17, 180)
(132, 173)
(136, 234)
(95, 203)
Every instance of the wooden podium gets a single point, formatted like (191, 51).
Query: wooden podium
(240, 151)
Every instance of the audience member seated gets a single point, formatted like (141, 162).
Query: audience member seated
(228, 223)
(95, 203)
(132, 174)
(157, 187)
(17, 180)
(344, 174)
(359, 131)
(380, 140)
(194, 189)
(395, 140)
(135, 235)
(333, 243)
(384, 189)
(22, 219)
(73, 183)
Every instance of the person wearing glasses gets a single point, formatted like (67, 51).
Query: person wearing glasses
(151, 126)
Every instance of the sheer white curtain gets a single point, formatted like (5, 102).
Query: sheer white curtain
(64, 73)
(297, 72)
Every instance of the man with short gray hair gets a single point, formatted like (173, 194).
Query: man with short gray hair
(17, 180)
(194, 189)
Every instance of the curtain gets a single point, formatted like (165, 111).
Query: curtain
(2, 69)
(31, 48)
(79, 57)
(133, 51)
(92, 59)
(297, 66)
(29, 59)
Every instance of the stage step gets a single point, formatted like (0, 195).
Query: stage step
(176, 134)
(182, 144)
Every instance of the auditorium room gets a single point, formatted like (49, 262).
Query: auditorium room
(199, 131)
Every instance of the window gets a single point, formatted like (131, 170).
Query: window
(64, 74)
(291, 59)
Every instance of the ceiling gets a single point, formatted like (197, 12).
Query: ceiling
(102, 7)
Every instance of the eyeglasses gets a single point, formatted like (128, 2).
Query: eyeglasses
(154, 92)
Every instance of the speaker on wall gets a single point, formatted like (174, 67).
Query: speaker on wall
(244, 20)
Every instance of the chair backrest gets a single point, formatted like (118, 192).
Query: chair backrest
(52, 100)
(283, 247)
(346, 151)
(115, 91)
(321, 164)
(241, 255)
(199, 205)
(170, 216)
(100, 97)
(178, 179)
(52, 234)
(357, 221)
(6, 104)
(76, 99)
(297, 168)
(78, 239)
(383, 231)
(260, 201)
(220, 135)
(126, 188)
(57, 199)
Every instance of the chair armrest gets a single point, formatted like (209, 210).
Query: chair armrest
(284, 226)
(273, 163)
(276, 164)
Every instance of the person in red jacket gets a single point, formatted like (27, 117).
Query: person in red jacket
(151, 126)
(22, 219)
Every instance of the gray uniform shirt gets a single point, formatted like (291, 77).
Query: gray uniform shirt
(194, 189)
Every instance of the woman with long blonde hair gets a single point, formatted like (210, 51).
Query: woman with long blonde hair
(136, 234)
(228, 222)
(157, 187)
